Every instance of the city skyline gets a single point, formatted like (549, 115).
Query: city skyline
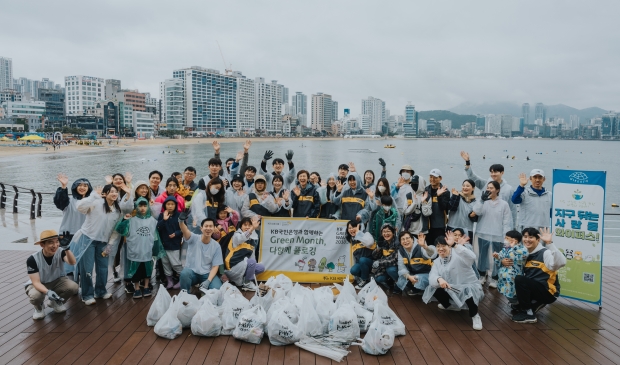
(476, 53)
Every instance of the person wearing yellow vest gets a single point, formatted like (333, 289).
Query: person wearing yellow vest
(539, 284)
(414, 263)
(362, 246)
(239, 264)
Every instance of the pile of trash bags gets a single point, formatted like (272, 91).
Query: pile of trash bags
(326, 320)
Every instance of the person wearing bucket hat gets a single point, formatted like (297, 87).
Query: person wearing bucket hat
(47, 275)
(402, 187)
(535, 200)
(235, 194)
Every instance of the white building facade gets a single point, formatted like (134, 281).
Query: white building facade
(246, 104)
(268, 98)
(143, 124)
(375, 109)
(82, 92)
(322, 112)
(32, 111)
(6, 73)
(299, 107)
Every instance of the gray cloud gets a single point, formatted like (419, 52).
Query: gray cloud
(435, 54)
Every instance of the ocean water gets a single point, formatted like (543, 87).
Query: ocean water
(324, 156)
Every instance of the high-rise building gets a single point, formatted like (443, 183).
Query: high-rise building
(174, 107)
(525, 112)
(30, 88)
(375, 108)
(10, 95)
(480, 122)
(322, 112)
(334, 110)
(246, 103)
(54, 107)
(299, 104)
(284, 95)
(112, 86)
(506, 125)
(210, 99)
(32, 111)
(268, 105)
(82, 92)
(6, 73)
(540, 112)
(609, 125)
(410, 125)
(143, 124)
(493, 124)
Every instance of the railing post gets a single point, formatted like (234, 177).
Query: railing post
(2, 197)
(32, 204)
(39, 205)
(15, 199)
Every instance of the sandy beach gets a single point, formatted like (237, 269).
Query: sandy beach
(6, 151)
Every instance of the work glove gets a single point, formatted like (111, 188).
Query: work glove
(53, 296)
(183, 216)
(486, 195)
(382, 162)
(65, 241)
(268, 155)
(289, 155)
(205, 284)
(375, 265)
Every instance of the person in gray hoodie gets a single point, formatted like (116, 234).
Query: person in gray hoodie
(535, 201)
(72, 219)
(418, 207)
(496, 172)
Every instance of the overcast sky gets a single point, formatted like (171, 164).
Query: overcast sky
(436, 54)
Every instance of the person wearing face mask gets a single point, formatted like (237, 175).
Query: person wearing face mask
(259, 202)
(385, 265)
(402, 187)
(215, 197)
(306, 200)
(452, 281)
(494, 220)
(328, 208)
(461, 208)
(418, 207)
(387, 214)
(414, 263)
(235, 194)
(535, 201)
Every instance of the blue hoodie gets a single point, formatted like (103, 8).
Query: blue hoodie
(170, 226)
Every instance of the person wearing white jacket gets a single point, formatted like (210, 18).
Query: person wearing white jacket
(539, 285)
(494, 220)
(90, 241)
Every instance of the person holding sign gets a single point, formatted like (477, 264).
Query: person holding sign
(363, 246)
(535, 200)
(539, 284)
(239, 265)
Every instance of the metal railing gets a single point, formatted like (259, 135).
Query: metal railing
(34, 201)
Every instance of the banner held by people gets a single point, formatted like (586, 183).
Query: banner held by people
(305, 250)
(577, 221)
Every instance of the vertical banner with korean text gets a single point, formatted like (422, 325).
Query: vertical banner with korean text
(305, 250)
(577, 221)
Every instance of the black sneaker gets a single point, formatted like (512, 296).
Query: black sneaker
(538, 307)
(129, 288)
(396, 290)
(412, 292)
(362, 284)
(515, 307)
(523, 317)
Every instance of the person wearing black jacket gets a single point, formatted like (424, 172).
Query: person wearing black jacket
(171, 238)
(440, 197)
(72, 219)
(306, 200)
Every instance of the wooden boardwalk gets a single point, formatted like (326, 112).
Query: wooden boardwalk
(114, 331)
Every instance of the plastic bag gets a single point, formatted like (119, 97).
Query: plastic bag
(345, 298)
(251, 325)
(280, 281)
(159, 307)
(226, 289)
(234, 304)
(188, 306)
(378, 340)
(282, 331)
(364, 316)
(207, 322)
(309, 322)
(371, 286)
(386, 316)
(347, 287)
(325, 306)
(343, 324)
(169, 325)
(285, 306)
(212, 295)
(300, 294)
(372, 296)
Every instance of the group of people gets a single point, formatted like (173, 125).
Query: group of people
(412, 236)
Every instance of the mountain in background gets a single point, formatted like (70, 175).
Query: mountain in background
(457, 119)
(559, 110)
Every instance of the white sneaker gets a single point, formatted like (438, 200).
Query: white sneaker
(483, 279)
(39, 313)
(90, 301)
(105, 296)
(249, 286)
(492, 283)
(57, 307)
(450, 308)
(477, 322)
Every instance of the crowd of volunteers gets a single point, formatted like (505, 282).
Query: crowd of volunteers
(409, 232)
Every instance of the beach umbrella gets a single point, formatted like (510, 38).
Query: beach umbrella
(32, 138)
(4, 139)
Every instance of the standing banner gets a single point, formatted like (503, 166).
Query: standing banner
(577, 221)
(305, 250)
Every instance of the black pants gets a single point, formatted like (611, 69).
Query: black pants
(529, 289)
(433, 233)
(444, 298)
(140, 274)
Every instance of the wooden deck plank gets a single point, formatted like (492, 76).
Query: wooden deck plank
(119, 356)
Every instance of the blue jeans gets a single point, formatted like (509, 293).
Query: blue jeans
(92, 256)
(190, 278)
(392, 272)
(362, 268)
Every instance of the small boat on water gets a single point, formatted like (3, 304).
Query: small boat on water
(362, 150)
(389, 146)
(614, 205)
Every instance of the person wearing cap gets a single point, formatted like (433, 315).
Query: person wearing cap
(439, 196)
(306, 200)
(402, 187)
(385, 256)
(278, 167)
(344, 171)
(452, 281)
(496, 173)
(535, 200)
(47, 275)
(235, 194)
(258, 201)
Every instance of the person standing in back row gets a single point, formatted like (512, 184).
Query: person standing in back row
(496, 172)
(535, 200)
(440, 199)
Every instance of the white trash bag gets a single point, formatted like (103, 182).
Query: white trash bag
(169, 325)
(286, 306)
(159, 307)
(371, 286)
(364, 316)
(373, 296)
(251, 325)
(207, 322)
(188, 306)
(325, 306)
(211, 295)
(226, 289)
(280, 281)
(282, 331)
(379, 339)
(309, 321)
(234, 304)
(386, 316)
(343, 324)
